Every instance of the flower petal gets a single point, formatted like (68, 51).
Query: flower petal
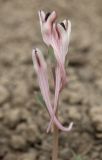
(51, 18)
(57, 90)
(69, 30)
(46, 23)
(44, 87)
(65, 23)
(41, 16)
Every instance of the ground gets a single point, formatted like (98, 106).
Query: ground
(23, 121)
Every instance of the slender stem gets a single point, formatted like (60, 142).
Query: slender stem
(55, 143)
(55, 129)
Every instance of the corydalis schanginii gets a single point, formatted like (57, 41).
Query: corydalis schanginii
(57, 36)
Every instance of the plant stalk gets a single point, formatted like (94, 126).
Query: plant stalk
(55, 142)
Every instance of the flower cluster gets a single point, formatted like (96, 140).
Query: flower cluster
(57, 36)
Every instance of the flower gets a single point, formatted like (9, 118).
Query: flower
(46, 23)
(60, 39)
(56, 35)
(41, 71)
(59, 42)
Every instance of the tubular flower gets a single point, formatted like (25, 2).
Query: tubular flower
(46, 24)
(60, 41)
(57, 36)
(41, 71)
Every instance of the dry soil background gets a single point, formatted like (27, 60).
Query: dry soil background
(23, 121)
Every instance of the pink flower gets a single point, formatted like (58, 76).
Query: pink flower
(56, 35)
(60, 39)
(41, 71)
(46, 23)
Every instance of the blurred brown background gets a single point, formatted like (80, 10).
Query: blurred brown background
(23, 121)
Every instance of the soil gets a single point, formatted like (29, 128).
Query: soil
(23, 121)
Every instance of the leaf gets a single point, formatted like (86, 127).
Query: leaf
(78, 157)
(51, 54)
(39, 99)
